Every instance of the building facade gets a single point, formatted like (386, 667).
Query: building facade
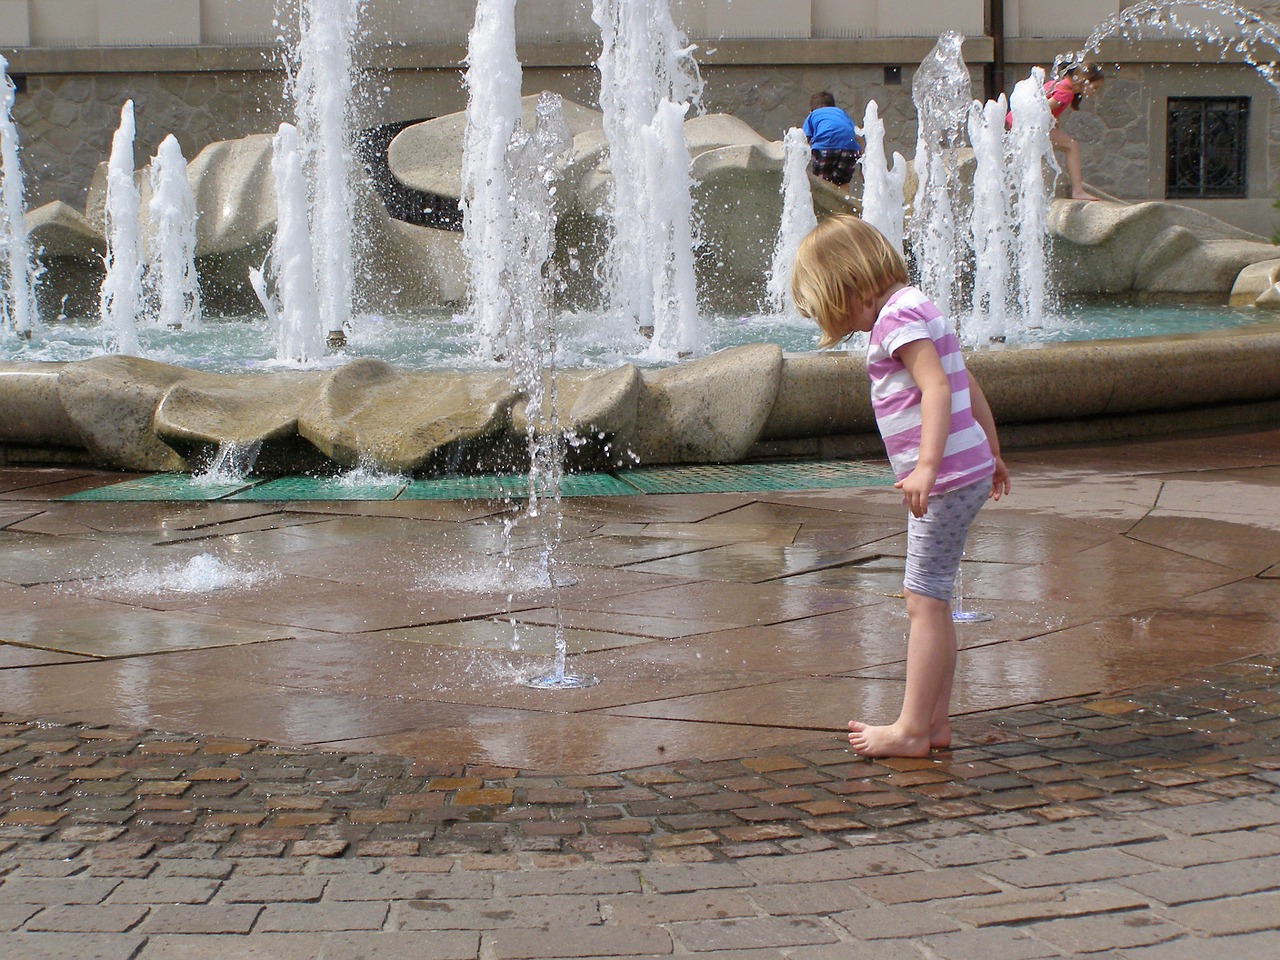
(1175, 120)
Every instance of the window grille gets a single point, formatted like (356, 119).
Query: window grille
(1207, 144)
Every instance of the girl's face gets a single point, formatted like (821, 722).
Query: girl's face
(862, 317)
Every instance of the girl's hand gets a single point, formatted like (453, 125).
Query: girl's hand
(999, 480)
(915, 488)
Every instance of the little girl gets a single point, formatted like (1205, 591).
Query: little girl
(941, 440)
(1080, 80)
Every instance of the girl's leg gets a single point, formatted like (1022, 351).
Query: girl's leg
(935, 545)
(1071, 153)
(931, 663)
(940, 726)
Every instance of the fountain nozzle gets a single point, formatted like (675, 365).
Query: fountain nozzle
(336, 339)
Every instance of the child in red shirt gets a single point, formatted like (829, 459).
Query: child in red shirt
(1081, 80)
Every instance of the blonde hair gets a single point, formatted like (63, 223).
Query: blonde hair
(843, 262)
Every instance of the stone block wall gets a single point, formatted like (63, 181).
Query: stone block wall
(65, 123)
(774, 99)
(1113, 130)
(1122, 130)
(71, 104)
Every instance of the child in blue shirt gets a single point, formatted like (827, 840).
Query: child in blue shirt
(833, 140)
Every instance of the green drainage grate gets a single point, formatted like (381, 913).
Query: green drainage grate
(710, 478)
(745, 477)
(513, 486)
(161, 487)
(320, 488)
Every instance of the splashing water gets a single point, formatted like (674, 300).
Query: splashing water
(989, 218)
(120, 298)
(798, 219)
(881, 184)
(649, 82)
(17, 273)
(230, 464)
(300, 334)
(493, 110)
(200, 574)
(941, 92)
(321, 85)
(1030, 150)
(485, 576)
(172, 271)
(532, 162)
(367, 473)
(1226, 26)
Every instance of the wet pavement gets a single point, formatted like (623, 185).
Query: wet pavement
(325, 749)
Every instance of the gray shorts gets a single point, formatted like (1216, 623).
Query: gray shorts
(935, 542)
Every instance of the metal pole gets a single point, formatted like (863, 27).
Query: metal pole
(993, 76)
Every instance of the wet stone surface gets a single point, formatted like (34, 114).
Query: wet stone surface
(124, 794)
(1147, 820)
(337, 762)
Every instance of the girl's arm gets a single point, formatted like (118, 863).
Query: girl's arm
(920, 357)
(982, 413)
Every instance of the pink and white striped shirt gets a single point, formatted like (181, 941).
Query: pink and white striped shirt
(907, 316)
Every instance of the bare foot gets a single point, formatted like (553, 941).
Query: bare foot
(940, 738)
(886, 741)
(1081, 195)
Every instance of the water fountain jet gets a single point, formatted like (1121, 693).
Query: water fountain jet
(121, 294)
(940, 91)
(634, 411)
(19, 275)
(1031, 152)
(649, 82)
(990, 215)
(532, 161)
(882, 184)
(797, 219)
(300, 334)
(173, 211)
(321, 84)
(493, 111)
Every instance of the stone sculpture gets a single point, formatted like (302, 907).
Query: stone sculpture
(747, 401)
(132, 413)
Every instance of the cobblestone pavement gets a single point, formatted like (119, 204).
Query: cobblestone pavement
(1143, 825)
(1136, 819)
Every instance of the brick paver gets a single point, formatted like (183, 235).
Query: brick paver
(1132, 872)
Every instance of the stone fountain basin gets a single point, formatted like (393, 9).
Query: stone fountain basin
(744, 402)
